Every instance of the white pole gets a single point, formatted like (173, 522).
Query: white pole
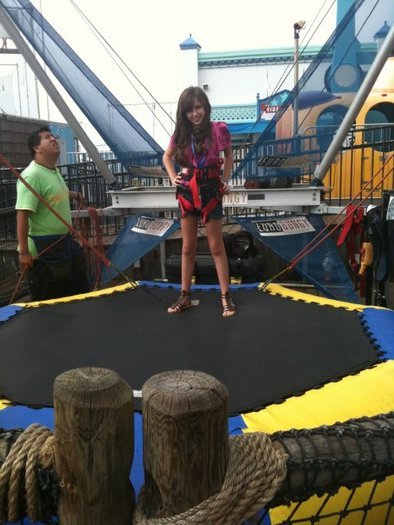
(362, 94)
(297, 28)
(50, 88)
(296, 78)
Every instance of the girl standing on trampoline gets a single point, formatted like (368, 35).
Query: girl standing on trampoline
(202, 149)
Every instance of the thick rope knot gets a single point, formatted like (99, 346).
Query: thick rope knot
(255, 472)
(34, 448)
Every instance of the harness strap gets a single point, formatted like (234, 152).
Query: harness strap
(214, 201)
(194, 178)
(185, 206)
(193, 185)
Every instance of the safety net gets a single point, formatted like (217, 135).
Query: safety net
(129, 141)
(308, 117)
(289, 237)
(140, 235)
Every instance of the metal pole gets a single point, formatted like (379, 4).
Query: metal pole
(48, 85)
(296, 75)
(362, 94)
(297, 26)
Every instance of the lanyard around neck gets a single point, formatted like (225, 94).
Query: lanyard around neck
(200, 161)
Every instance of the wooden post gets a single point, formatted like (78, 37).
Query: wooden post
(94, 447)
(185, 440)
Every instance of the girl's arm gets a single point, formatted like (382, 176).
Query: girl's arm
(169, 164)
(227, 164)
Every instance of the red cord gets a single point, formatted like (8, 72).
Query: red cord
(94, 218)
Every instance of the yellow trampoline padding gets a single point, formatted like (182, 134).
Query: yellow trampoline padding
(366, 394)
(329, 507)
(81, 297)
(277, 289)
(274, 289)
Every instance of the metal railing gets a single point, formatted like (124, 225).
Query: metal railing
(363, 167)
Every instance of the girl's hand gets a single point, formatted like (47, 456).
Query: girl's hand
(177, 181)
(226, 187)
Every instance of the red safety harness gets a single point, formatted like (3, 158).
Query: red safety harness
(194, 182)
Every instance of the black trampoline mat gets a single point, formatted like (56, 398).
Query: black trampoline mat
(272, 349)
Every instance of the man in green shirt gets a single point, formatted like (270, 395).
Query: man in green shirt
(46, 249)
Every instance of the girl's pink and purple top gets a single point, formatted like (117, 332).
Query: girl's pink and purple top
(221, 141)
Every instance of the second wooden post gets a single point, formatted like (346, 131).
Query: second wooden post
(185, 440)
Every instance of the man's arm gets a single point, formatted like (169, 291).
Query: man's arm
(22, 230)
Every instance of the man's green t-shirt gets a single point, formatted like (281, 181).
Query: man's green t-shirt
(51, 186)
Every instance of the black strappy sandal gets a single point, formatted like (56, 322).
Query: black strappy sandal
(229, 308)
(182, 303)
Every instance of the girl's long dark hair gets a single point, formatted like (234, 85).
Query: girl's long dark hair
(184, 128)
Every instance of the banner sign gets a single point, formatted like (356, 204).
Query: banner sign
(271, 161)
(289, 226)
(152, 226)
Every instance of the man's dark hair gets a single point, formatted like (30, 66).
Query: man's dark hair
(35, 139)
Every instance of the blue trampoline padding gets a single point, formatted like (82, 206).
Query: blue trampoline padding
(19, 416)
(200, 287)
(236, 424)
(8, 311)
(137, 469)
(379, 325)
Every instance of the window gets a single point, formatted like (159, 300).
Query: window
(327, 124)
(379, 132)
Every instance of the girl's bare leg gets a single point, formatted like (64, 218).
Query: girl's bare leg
(214, 230)
(189, 248)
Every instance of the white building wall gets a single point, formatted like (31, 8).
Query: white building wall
(18, 90)
(189, 67)
(241, 84)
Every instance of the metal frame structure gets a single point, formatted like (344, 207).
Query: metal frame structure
(298, 198)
